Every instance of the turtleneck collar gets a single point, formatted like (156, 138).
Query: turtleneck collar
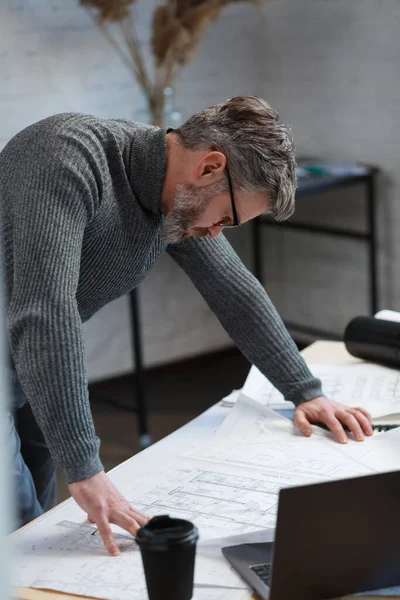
(148, 166)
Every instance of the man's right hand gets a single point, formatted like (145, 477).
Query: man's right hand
(104, 504)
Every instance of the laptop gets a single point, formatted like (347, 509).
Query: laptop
(332, 539)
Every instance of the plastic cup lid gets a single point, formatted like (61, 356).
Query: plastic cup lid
(164, 530)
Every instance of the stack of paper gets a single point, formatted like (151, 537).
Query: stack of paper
(373, 387)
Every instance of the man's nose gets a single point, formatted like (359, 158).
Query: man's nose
(214, 231)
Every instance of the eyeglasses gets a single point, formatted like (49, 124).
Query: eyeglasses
(235, 220)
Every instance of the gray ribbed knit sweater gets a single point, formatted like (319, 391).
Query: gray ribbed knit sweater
(81, 225)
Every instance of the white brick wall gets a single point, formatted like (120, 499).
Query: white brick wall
(332, 67)
(52, 59)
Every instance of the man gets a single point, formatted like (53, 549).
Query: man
(87, 206)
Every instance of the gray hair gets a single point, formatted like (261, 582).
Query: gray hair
(259, 149)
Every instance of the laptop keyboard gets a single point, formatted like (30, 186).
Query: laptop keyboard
(263, 572)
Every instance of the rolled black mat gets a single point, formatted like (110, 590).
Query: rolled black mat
(373, 339)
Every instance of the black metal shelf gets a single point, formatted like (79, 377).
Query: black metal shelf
(317, 184)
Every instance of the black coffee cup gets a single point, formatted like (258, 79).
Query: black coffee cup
(168, 549)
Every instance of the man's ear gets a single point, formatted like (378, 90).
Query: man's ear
(210, 168)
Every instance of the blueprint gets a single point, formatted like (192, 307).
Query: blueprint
(258, 439)
(381, 452)
(227, 485)
(373, 387)
(70, 558)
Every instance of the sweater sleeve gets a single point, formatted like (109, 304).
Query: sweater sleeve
(52, 203)
(248, 315)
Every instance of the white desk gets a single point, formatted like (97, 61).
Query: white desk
(180, 441)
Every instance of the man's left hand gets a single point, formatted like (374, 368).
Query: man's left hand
(334, 415)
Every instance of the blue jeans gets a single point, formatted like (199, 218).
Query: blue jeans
(33, 469)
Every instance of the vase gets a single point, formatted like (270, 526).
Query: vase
(166, 114)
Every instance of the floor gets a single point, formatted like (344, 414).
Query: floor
(176, 394)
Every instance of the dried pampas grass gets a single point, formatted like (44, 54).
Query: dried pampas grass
(108, 10)
(176, 31)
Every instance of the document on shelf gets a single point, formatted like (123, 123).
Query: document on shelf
(388, 315)
(374, 387)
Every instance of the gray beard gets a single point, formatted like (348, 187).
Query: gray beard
(190, 203)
